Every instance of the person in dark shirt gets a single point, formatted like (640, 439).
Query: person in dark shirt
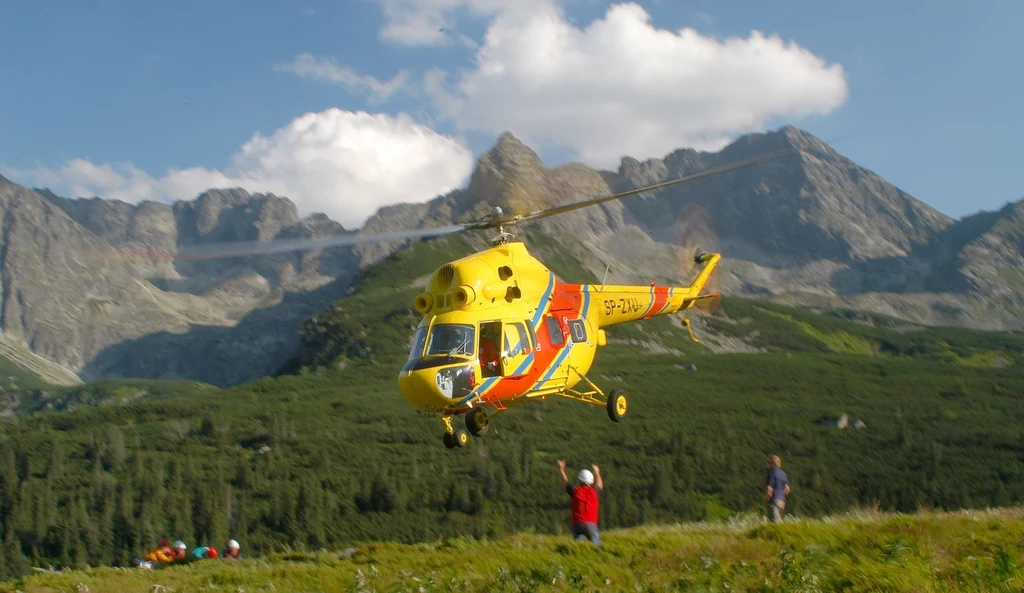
(776, 489)
(585, 502)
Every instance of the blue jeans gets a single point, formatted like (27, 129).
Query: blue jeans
(582, 531)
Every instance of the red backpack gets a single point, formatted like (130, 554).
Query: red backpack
(584, 504)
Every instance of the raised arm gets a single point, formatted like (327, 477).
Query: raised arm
(598, 480)
(561, 470)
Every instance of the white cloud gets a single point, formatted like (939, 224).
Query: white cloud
(328, 70)
(341, 163)
(620, 86)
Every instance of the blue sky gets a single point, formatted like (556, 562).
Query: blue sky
(106, 97)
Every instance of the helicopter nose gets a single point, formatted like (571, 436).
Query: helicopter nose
(436, 389)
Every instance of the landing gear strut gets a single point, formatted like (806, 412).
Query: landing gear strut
(614, 401)
(453, 438)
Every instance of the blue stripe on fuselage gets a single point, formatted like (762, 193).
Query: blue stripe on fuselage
(487, 384)
(526, 363)
(568, 345)
(543, 300)
(490, 381)
(554, 367)
(650, 305)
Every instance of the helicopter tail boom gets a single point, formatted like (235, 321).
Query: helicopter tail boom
(620, 304)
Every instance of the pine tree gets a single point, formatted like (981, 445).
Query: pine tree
(55, 469)
(114, 452)
(125, 537)
(311, 514)
(14, 557)
(9, 480)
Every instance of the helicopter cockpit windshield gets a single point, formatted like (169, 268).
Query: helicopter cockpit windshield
(451, 340)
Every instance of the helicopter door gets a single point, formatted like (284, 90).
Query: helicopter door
(516, 350)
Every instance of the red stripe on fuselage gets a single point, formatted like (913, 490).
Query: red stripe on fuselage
(566, 301)
(660, 298)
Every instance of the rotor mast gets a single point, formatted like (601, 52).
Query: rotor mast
(499, 220)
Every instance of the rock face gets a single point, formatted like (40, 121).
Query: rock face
(810, 205)
(86, 284)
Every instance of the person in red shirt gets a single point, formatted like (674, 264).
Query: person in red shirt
(489, 352)
(585, 502)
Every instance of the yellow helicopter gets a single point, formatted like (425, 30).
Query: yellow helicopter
(500, 329)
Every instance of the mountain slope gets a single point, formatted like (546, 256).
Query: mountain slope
(811, 205)
(810, 229)
(253, 304)
(61, 298)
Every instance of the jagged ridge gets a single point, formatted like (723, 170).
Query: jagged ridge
(812, 229)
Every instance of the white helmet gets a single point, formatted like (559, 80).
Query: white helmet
(232, 544)
(586, 477)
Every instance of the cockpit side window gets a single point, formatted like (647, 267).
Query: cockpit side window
(517, 343)
(554, 331)
(418, 340)
(452, 340)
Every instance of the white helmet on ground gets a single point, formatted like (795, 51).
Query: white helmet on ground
(232, 544)
(586, 476)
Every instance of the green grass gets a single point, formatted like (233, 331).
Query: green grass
(778, 328)
(838, 341)
(971, 551)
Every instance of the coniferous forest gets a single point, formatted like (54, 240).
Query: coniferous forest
(329, 454)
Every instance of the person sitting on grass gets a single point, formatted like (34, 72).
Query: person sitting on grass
(204, 552)
(162, 554)
(233, 550)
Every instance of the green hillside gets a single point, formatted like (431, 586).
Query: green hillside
(14, 378)
(961, 552)
(331, 455)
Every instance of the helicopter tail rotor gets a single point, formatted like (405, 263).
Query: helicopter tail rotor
(695, 240)
(695, 237)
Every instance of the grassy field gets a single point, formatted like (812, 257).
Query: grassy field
(964, 551)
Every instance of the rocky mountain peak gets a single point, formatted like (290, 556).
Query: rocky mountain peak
(509, 175)
(234, 214)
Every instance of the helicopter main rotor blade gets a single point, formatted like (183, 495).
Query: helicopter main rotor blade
(692, 177)
(251, 248)
(248, 248)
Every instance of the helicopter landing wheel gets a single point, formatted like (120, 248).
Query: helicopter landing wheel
(617, 405)
(476, 422)
(459, 438)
